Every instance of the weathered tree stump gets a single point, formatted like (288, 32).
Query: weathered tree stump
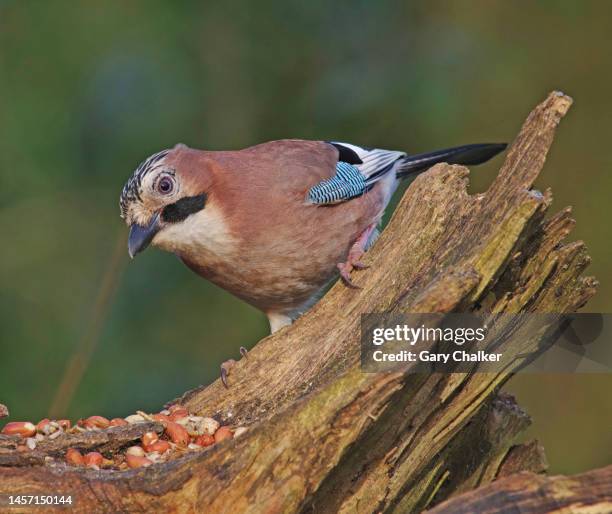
(325, 437)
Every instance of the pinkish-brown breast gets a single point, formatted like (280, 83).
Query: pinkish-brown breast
(286, 249)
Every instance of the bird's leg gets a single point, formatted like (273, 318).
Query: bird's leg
(229, 364)
(353, 260)
(278, 320)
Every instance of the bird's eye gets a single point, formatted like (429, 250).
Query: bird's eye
(165, 185)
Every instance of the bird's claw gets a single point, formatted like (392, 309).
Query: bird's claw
(345, 273)
(225, 370)
(229, 364)
(353, 260)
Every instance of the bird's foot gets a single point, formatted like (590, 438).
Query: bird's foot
(345, 273)
(225, 370)
(229, 364)
(353, 260)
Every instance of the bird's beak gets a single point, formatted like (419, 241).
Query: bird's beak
(141, 237)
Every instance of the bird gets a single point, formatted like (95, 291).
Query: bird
(273, 224)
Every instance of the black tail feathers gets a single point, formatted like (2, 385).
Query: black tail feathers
(467, 154)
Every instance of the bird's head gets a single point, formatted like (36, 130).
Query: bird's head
(160, 196)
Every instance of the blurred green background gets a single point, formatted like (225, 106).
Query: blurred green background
(87, 90)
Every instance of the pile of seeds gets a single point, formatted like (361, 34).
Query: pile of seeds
(182, 432)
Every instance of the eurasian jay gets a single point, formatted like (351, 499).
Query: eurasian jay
(275, 223)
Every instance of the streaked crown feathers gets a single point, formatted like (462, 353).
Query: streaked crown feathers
(133, 188)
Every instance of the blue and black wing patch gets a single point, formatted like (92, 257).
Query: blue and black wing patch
(357, 170)
(347, 183)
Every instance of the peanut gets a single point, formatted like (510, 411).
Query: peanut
(42, 425)
(74, 457)
(160, 446)
(222, 434)
(64, 424)
(137, 451)
(205, 440)
(179, 413)
(161, 417)
(134, 461)
(22, 428)
(135, 418)
(239, 431)
(177, 433)
(93, 459)
(149, 438)
(208, 426)
(95, 422)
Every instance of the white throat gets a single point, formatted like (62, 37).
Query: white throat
(202, 234)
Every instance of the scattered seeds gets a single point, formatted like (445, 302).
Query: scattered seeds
(183, 432)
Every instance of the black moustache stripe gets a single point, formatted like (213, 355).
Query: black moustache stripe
(181, 209)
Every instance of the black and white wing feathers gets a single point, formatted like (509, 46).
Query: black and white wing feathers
(357, 170)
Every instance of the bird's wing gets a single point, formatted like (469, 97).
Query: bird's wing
(357, 170)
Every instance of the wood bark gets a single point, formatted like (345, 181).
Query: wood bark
(324, 436)
(588, 493)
